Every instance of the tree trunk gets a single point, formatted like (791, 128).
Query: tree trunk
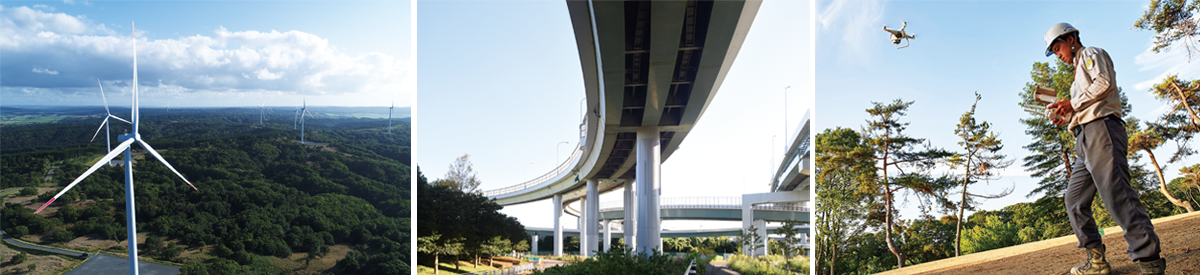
(888, 231)
(1163, 186)
(832, 259)
(435, 263)
(476, 266)
(961, 207)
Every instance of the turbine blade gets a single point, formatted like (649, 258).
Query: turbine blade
(104, 160)
(98, 129)
(103, 97)
(118, 118)
(309, 114)
(164, 162)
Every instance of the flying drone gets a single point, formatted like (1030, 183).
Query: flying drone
(898, 35)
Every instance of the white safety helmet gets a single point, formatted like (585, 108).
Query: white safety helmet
(1056, 31)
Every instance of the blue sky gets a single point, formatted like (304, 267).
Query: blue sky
(208, 53)
(963, 47)
(502, 81)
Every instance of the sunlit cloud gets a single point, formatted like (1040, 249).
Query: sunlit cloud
(223, 62)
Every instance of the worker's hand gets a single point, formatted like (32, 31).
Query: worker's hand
(1063, 109)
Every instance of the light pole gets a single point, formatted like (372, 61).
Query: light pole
(557, 148)
(785, 125)
(771, 166)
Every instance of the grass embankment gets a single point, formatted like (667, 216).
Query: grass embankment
(467, 266)
(769, 265)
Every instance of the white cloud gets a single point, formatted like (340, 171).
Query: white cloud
(45, 71)
(856, 20)
(1171, 61)
(267, 75)
(291, 62)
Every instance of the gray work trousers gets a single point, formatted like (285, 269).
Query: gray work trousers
(1101, 166)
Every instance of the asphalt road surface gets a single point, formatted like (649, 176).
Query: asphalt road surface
(105, 264)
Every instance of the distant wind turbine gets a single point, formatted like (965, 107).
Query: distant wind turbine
(126, 145)
(104, 125)
(390, 117)
(302, 112)
(295, 118)
(261, 113)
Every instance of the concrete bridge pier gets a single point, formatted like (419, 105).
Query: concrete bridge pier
(607, 235)
(591, 218)
(558, 235)
(762, 232)
(535, 244)
(630, 222)
(580, 226)
(648, 188)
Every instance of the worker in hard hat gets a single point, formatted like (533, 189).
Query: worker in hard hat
(1093, 114)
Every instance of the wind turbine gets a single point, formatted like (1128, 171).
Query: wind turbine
(295, 118)
(261, 113)
(302, 112)
(126, 145)
(104, 125)
(390, 117)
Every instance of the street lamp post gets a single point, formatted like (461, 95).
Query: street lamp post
(771, 171)
(785, 125)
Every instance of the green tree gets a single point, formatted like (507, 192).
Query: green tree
(980, 160)
(28, 191)
(461, 176)
(791, 237)
(19, 258)
(19, 231)
(750, 241)
(435, 245)
(30, 267)
(1052, 149)
(892, 149)
(841, 210)
(992, 234)
(1146, 141)
(1182, 123)
(496, 246)
(521, 246)
(1172, 21)
(151, 244)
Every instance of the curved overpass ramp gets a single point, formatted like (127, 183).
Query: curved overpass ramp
(646, 66)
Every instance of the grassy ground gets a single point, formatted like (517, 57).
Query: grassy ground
(47, 263)
(36, 119)
(465, 266)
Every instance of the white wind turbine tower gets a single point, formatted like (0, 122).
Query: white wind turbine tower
(302, 112)
(261, 112)
(295, 118)
(104, 125)
(126, 145)
(390, 117)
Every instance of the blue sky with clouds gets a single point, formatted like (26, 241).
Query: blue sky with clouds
(964, 47)
(207, 53)
(502, 81)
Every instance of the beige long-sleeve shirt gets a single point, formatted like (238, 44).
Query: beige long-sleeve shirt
(1094, 92)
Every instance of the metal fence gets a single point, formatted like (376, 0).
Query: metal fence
(561, 169)
(508, 271)
(707, 203)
